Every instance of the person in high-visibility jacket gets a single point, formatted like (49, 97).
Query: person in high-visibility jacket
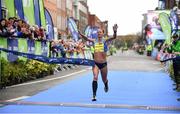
(175, 49)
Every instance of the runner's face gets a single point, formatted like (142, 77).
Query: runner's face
(100, 33)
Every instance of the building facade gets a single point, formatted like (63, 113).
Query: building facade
(60, 10)
(94, 21)
(80, 14)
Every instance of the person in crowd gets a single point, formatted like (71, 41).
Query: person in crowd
(100, 49)
(3, 28)
(175, 49)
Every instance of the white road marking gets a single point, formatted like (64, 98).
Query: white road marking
(18, 98)
(159, 69)
(139, 62)
(45, 80)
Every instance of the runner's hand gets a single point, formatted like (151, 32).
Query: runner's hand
(115, 28)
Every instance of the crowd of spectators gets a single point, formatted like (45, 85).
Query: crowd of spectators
(18, 28)
(14, 27)
(68, 48)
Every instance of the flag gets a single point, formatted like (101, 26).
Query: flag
(42, 13)
(73, 28)
(166, 26)
(19, 8)
(49, 26)
(37, 13)
(95, 32)
(28, 8)
(10, 8)
(88, 31)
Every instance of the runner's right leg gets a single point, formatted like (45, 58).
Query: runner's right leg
(94, 83)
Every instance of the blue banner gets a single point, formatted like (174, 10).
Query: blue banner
(39, 50)
(49, 26)
(37, 13)
(88, 31)
(19, 8)
(174, 21)
(51, 60)
(45, 48)
(95, 32)
(31, 46)
(73, 28)
(12, 45)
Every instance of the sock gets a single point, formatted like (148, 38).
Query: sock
(94, 87)
(106, 84)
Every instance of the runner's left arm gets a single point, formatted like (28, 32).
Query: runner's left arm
(115, 33)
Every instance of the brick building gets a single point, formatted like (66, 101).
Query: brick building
(60, 10)
(94, 21)
(81, 10)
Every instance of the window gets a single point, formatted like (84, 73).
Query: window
(63, 5)
(63, 27)
(69, 4)
(4, 12)
(59, 4)
(59, 20)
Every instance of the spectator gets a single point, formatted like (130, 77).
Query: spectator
(3, 28)
(175, 48)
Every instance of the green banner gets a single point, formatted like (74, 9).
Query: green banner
(42, 13)
(3, 44)
(38, 50)
(28, 8)
(22, 46)
(10, 7)
(166, 26)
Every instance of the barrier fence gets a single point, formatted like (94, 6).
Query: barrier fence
(14, 48)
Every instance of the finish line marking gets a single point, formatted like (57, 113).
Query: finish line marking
(86, 105)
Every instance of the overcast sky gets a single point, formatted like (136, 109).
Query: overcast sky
(126, 13)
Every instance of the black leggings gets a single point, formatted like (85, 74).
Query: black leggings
(176, 67)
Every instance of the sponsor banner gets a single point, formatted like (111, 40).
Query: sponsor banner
(10, 8)
(37, 13)
(3, 44)
(166, 26)
(19, 8)
(12, 45)
(174, 21)
(38, 49)
(49, 26)
(28, 8)
(88, 32)
(31, 46)
(45, 48)
(73, 29)
(42, 13)
(12, 48)
(22, 46)
(51, 60)
(94, 33)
